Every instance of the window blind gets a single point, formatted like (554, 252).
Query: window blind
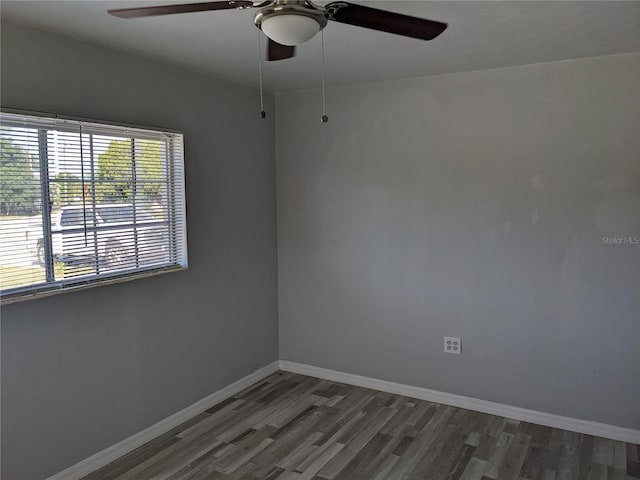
(83, 203)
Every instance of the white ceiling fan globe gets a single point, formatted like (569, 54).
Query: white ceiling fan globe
(290, 28)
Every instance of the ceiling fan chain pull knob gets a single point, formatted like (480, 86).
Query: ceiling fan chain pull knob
(324, 119)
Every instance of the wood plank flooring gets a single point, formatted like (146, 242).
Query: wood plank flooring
(293, 427)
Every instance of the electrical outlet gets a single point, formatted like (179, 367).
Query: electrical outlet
(453, 345)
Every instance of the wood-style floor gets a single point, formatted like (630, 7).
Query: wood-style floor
(292, 427)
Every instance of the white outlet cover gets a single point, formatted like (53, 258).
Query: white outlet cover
(453, 345)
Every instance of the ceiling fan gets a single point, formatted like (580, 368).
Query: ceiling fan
(288, 23)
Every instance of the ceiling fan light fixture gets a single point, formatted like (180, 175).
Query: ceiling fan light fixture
(290, 28)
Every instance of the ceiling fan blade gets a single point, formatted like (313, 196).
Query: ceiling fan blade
(384, 21)
(275, 51)
(181, 8)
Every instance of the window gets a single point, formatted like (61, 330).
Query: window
(85, 203)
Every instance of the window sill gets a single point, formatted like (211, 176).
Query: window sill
(51, 290)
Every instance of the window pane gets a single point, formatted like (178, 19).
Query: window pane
(21, 237)
(112, 199)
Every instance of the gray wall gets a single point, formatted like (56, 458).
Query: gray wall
(469, 205)
(82, 371)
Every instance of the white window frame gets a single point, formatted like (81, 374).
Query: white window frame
(176, 202)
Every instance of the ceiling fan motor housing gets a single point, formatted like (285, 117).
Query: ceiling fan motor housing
(290, 22)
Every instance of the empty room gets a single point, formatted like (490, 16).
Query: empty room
(289, 240)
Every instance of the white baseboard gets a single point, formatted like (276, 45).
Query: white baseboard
(102, 458)
(523, 414)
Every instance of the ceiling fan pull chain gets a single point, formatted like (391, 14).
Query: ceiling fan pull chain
(263, 114)
(324, 117)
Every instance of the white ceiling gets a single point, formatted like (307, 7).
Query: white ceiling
(480, 35)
